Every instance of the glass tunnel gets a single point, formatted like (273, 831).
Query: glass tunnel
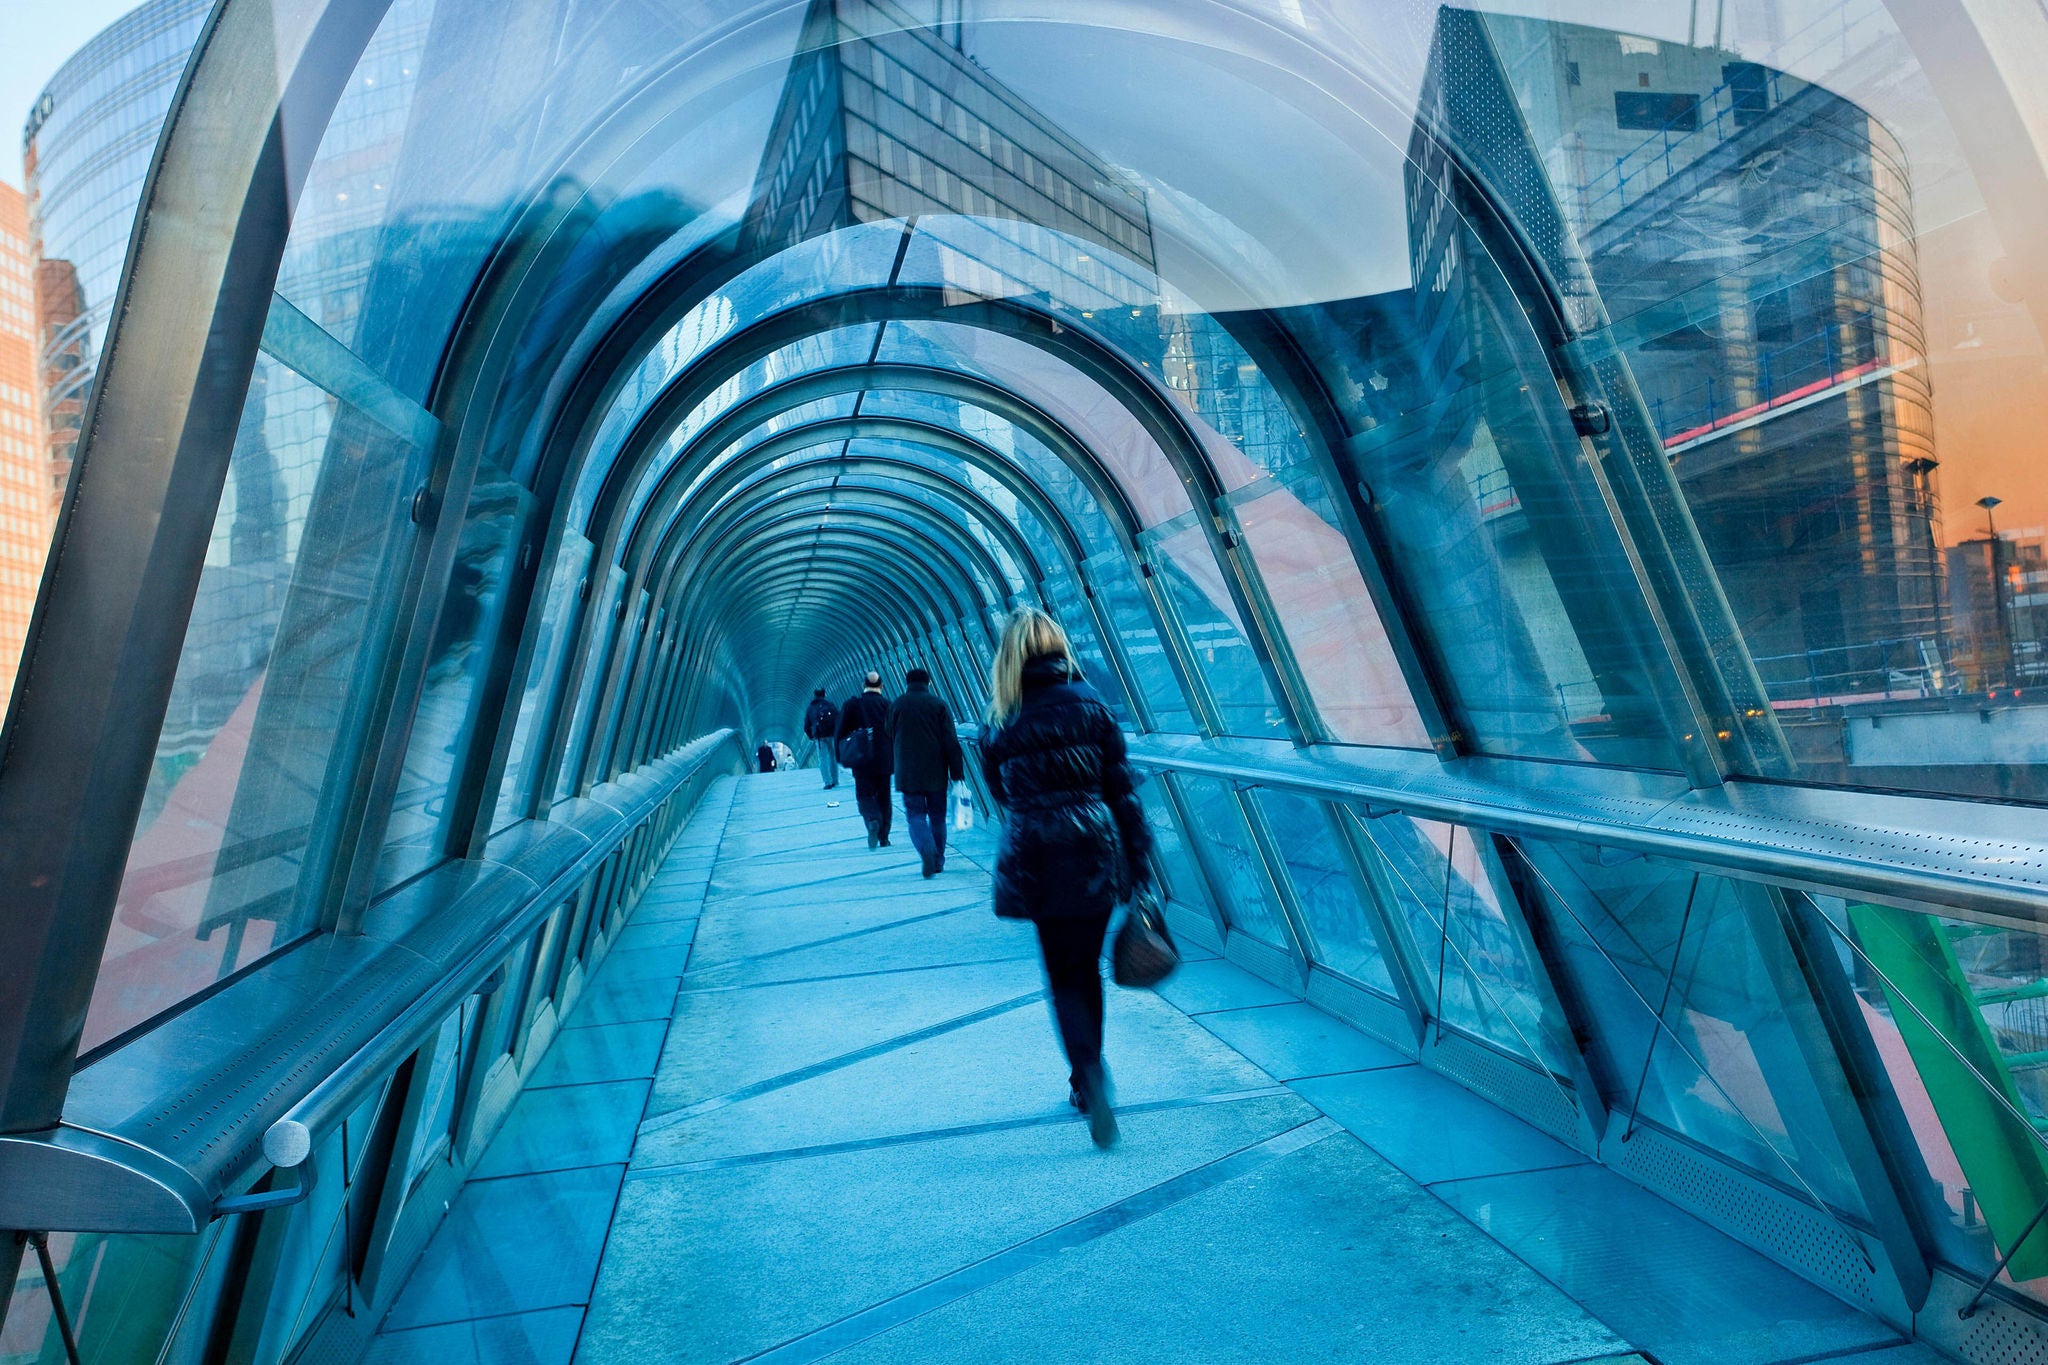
(1517, 482)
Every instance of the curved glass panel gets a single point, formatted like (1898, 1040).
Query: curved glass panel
(290, 608)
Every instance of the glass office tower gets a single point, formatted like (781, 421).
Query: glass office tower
(86, 148)
(1556, 508)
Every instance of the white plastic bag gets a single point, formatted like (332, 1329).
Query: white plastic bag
(963, 809)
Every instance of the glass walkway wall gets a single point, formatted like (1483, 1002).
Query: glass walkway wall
(1518, 481)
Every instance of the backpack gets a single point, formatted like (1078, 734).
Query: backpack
(824, 721)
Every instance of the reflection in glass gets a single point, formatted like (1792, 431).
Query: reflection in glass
(1331, 907)
(1217, 828)
(1473, 959)
(543, 678)
(1959, 1014)
(1195, 589)
(287, 605)
(1182, 879)
(464, 632)
(1722, 1063)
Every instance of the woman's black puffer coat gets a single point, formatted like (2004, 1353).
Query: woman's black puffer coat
(1074, 839)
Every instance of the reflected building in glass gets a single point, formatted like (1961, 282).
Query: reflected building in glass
(86, 148)
(24, 505)
(884, 117)
(1744, 240)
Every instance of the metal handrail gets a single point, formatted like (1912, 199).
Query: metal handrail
(1969, 859)
(289, 1140)
(91, 1173)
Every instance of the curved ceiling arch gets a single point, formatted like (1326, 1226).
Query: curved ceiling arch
(860, 473)
(1142, 396)
(744, 418)
(941, 441)
(926, 541)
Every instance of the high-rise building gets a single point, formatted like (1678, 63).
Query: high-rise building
(24, 515)
(883, 117)
(86, 148)
(1751, 234)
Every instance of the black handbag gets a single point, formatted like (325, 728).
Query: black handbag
(1143, 954)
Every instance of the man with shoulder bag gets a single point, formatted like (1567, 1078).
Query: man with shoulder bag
(866, 748)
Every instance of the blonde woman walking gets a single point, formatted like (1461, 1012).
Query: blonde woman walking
(1074, 841)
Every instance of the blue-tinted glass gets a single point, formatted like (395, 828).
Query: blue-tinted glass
(1470, 951)
(1726, 1069)
(1176, 864)
(287, 612)
(1122, 596)
(1235, 868)
(606, 601)
(465, 634)
(1196, 588)
(1331, 905)
(543, 679)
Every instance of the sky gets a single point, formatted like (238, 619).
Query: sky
(35, 38)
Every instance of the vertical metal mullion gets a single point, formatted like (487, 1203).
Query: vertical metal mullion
(1826, 1025)
(1291, 686)
(1546, 956)
(1368, 883)
(1279, 882)
(1173, 637)
(1113, 650)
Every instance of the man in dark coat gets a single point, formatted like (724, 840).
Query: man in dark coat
(927, 759)
(821, 723)
(868, 710)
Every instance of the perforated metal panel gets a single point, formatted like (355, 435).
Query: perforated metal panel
(1995, 1338)
(2011, 861)
(1793, 1232)
(1370, 1013)
(1521, 1090)
(1263, 960)
(1193, 925)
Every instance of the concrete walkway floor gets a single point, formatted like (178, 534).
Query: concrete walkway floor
(813, 1106)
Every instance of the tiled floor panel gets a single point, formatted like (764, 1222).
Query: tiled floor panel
(812, 1105)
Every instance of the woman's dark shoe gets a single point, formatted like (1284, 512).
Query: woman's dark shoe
(1096, 1105)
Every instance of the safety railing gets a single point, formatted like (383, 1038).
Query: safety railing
(1879, 894)
(233, 1106)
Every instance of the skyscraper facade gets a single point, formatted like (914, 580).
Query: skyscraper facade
(24, 515)
(1737, 247)
(86, 148)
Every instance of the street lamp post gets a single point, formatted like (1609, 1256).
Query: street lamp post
(1988, 503)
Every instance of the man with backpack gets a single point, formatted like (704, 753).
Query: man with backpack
(821, 724)
(866, 746)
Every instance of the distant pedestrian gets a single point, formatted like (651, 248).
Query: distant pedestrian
(764, 757)
(863, 738)
(1074, 841)
(821, 725)
(927, 760)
